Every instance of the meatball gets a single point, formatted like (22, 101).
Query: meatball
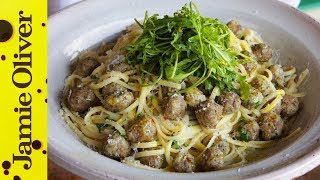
(222, 146)
(290, 105)
(175, 107)
(184, 162)
(235, 27)
(212, 158)
(209, 114)
(246, 131)
(262, 52)
(155, 161)
(86, 66)
(118, 101)
(230, 101)
(262, 85)
(112, 88)
(194, 97)
(119, 66)
(81, 99)
(255, 97)
(278, 76)
(142, 130)
(116, 146)
(271, 126)
(250, 67)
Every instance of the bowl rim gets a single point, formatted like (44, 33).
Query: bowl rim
(296, 168)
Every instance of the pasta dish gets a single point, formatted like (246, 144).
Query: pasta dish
(181, 93)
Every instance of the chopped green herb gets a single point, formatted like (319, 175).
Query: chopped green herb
(151, 98)
(243, 134)
(139, 115)
(185, 44)
(101, 127)
(176, 145)
(257, 103)
(94, 77)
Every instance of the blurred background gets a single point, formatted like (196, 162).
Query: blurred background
(311, 7)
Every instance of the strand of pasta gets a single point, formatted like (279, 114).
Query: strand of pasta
(289, 72)
(169, 84)
(253, 144)
(269, 107)
(242, 70)
(168, 152)
(92, 132)
(302, 77)
(130, 108)
(252, 75)
(215, 92)
(134, 87)
(143, 145)
(149, 153)
(270, 76)
(104, 82)
(142, 98)
(78, 120)
(135, 163)
(82, 137)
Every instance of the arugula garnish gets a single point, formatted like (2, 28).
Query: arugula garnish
(176, 47)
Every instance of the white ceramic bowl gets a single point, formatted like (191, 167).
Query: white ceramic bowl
(295, 35)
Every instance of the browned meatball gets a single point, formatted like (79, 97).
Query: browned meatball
(119, 66)
(82, 98)
(212, 158)
(194, 97)
(86, 66)
(209, 114)
(118, 101)
(155, 161)
(235, 27)
(116, 146)
(246, 131)
(290, 105)
(278, 76)
(261, 85)
(184, 162)
(271, 126)
(255, 97)
(230, 101)
(250, 66)
(142, 130)
(222, 145)
(262, 52)
(174, 107)
(112, 88)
